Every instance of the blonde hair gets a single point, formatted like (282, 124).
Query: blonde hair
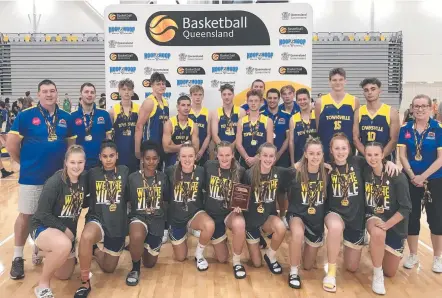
(234, 163)
(288, 87)
(196, 88)
(256, 168)
(71, 150)
(339, 136)
(422, 96)
(302, 174)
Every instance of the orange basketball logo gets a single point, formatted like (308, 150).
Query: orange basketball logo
(215, 57)
(162, 28)
(180, 70)
(282, 70)
(113, 57)
(283, 30)
(112, 17)
(146, 83)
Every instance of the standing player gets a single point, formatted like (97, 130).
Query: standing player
(288, 96)
(302, 125)
(124, 116)
(179, 130)
(154, 112)
(37, 141)
(335, 111)
(375, 121)
(4, 129)
(260, 86)
(225, 119)
(200, 116)
(92, 125)
(253, 131)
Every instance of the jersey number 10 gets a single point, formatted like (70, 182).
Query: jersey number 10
(371, 136)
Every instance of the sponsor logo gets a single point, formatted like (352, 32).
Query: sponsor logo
(225, 57)
(122, 16)
(292, 42)
(225, 70)
(123, 57)
(254, 70)
(190, 70)
(122, 69)
(188, 83)
(293, 16)
(206, 28)
(120, 44)
(100, 120)
(36, 121)
(115, 96)
(78, 121)
(113, 83)
(157, 56)
(121, 30)
(217, 83)
(408, 135)
(287, 56)
(292, 70)
(149, 70)
(62, 123)
(259, 56)
(293, 30)
(186, 57)
(166, 95)
(146, 83)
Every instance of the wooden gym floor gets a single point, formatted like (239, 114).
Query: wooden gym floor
(173, 279)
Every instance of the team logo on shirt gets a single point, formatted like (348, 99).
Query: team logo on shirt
(70, 208)
(178, 192)
(370, 195)
(144, 203)
(100, 120)
(102, 192)
(78, 121)
(431, 136)
(62, 123)
(215, 183)
(267, 191)
(353, 189)
(408, 135)
(308, 191)
(36, 121)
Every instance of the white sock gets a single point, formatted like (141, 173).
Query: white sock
(294, 270)
(271, 254)
(18, 252)
(378, 271)
(236, 259)
(199, 251)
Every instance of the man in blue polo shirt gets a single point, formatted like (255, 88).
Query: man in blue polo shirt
(91, 125)
(37, 140)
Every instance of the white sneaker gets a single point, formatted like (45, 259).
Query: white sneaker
(411, 261)
(43, 293)
(36, 260)
(378, 284)
(165, 236)
(437, 264)
(195, 233)
(201, 264)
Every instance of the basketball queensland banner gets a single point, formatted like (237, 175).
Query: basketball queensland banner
(209, 45)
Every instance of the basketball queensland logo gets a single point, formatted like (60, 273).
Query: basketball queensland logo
(206, 28)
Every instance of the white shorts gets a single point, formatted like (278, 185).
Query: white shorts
(28, 197)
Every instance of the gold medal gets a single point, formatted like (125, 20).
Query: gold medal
(52, 137)
(311, 210)
(418, 156)
(345, 202)
(88, 138)
(379, 210)
(127, 133)
(112, 207)
(229, 131)
(260, 208)
(254, 142)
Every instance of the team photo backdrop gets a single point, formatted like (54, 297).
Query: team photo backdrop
(208, 45)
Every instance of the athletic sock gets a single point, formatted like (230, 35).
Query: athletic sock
(18, 252)
(331, 270)
(293, 270)
(136, 266)
(236, 259)
(271, 254)
(378, 271)
(199, 251)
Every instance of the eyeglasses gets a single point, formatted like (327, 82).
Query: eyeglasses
(423, 107)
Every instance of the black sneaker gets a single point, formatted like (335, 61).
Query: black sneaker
(17, 269)
(6, 174)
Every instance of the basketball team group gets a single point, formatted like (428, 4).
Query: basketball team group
(148, 178)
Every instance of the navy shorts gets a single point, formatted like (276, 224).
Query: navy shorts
(219, 235)
(152, 243)
(113, 246)
(253, 234)
(178, 234)
(353, 238)
(312, 238)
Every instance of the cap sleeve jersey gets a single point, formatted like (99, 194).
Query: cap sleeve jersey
(149, 209)
(279, 180)
(375, 128)
(39, 157)
(202, 122)
(177, 214)
(227, 126)
(114, 222)
(353, 214)
(395, 196)
(302, 131)
(298, 196)
(253, 133)
(215, 204)
(432, 142)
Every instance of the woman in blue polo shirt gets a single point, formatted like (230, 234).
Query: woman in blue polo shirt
(420, 151)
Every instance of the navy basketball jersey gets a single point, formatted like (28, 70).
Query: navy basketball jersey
(124, 135)
(227, 125)
(180, 135)
(302, 131)
(202, 121)
(335, 118)
(375, 128)
(253, 134)
(153, 129)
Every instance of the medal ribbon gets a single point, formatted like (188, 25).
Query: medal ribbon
(427, 197)
(88, 127)
(419, 146)
(378, 197)
(76, 198)
(312, 193)
(225, 187)
(229, 123)
(124, 117)
(111, 190)
(186, 188)
(50, 126)
(345, 184)
(149, 191)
